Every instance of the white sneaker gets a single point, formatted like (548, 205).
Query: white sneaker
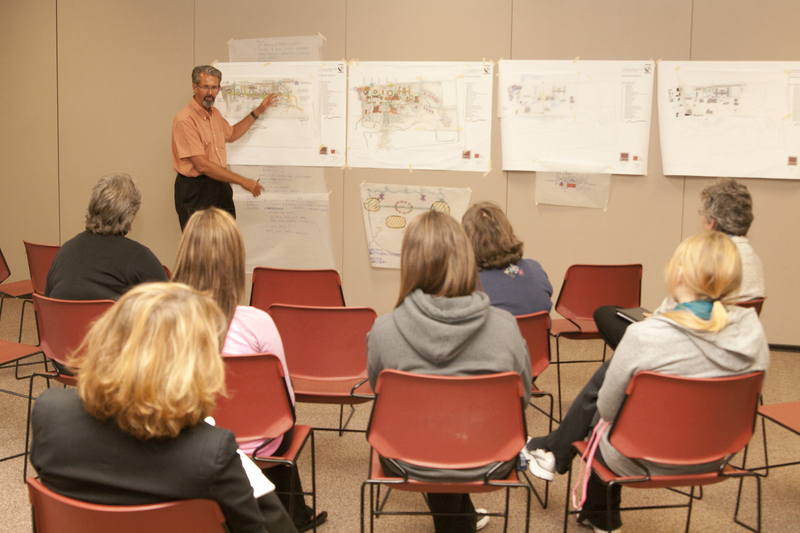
(482, 522)
(541, 463)
(586, 523)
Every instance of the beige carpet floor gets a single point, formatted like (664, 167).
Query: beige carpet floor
(342, 461)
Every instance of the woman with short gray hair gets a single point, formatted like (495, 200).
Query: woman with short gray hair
(101, 262)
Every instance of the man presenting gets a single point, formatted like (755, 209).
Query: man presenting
(199, 134)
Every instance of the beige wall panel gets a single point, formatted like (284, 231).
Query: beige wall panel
(251, 19)
(124, 72)
(746, 30)
(420, 31)
(28, 130)
(643, 221)
(752, 30)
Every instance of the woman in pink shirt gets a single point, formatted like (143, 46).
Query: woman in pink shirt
(211, 258)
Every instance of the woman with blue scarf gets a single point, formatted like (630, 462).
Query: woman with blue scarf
(700, 337)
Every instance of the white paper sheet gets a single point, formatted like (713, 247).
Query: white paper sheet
(302, 48)
(388, 209)
(305, 128)
(734, 119)
(573, 185)
(285, 230)
(589, 112)
(427, 115)
(286, 180)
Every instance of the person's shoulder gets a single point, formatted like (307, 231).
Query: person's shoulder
(57, 403)
(251, 314)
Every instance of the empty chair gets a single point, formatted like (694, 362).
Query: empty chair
(322, 288)
(585, 288)
(54, 513)
(326, 353)
(15, 289)
(677, 420)
(422, 422)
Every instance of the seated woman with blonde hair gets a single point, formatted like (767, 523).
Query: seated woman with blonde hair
(133, 433)
(700, 337)
(442, 324)
(520, 286)
(211, 258)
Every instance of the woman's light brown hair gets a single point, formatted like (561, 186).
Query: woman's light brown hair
(436, 256)
(492, 236)
(709, 266)
(211, 258)
(152, 362)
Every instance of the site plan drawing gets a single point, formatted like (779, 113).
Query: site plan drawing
(575, 112)
(388, 209)
(426, 115)
(306, 127)
(573, 189)
(726, 118)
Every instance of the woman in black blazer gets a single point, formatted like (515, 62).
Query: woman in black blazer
(134, 433)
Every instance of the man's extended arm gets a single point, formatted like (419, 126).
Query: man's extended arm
(213, 170)
(241, 127)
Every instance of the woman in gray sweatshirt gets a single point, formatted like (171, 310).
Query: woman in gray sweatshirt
(700, 337)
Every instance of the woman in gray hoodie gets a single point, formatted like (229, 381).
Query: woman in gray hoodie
(700, 337)
(442, 324)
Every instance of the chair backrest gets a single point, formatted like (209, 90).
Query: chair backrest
(685, 421)
(53, 513)
(755, 303)
(587, 287)
(40, 257)
(535, 329)
(295, 287)
(450, 422)
(4, 270)
(64, 323)
(257, 403)
(167, 271)
(324, 342)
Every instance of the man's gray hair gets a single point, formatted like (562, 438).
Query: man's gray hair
(115, 201)
(729, 205)
(208, 69)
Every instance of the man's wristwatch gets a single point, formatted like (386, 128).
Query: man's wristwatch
(255, 117)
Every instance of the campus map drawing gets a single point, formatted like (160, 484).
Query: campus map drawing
(306, 126)
(574, 189)
(388, 209)
(736, 119)
(420, 115)
(584, 112)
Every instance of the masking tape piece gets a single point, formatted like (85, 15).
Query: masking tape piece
(362, 183)
(266, 64)
(677, 69)
(323, 37)
(488, 171)
(658, 61)
(229, 40)
(576, 59)
(787, 116)
(410, 169)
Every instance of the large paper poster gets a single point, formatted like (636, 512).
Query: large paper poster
(289, 225)
(307, 125)
(388, 209)
(580, 112)
(735, 119)
(420, 115)
(301, 48)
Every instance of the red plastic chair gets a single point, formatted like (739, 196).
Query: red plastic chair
(445, 422)
(682, 421)
(326, 353)
(585, 288)
(756, 303)
(15, 289)
(535, 329)
(12, 352)
(257, 406)
(54, 513)
(40, 257)
(62, 326)
(295, 287)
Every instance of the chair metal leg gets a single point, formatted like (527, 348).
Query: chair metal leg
(341, 416)
(566, 500)
(689, 512)
(558, 375)
(758, 504)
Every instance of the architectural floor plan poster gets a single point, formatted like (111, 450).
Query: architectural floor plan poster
(429, 115)
(735, 119)
(388, 209)
(582, 112)
(305, 128)
(289, 225)
(582, 186)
